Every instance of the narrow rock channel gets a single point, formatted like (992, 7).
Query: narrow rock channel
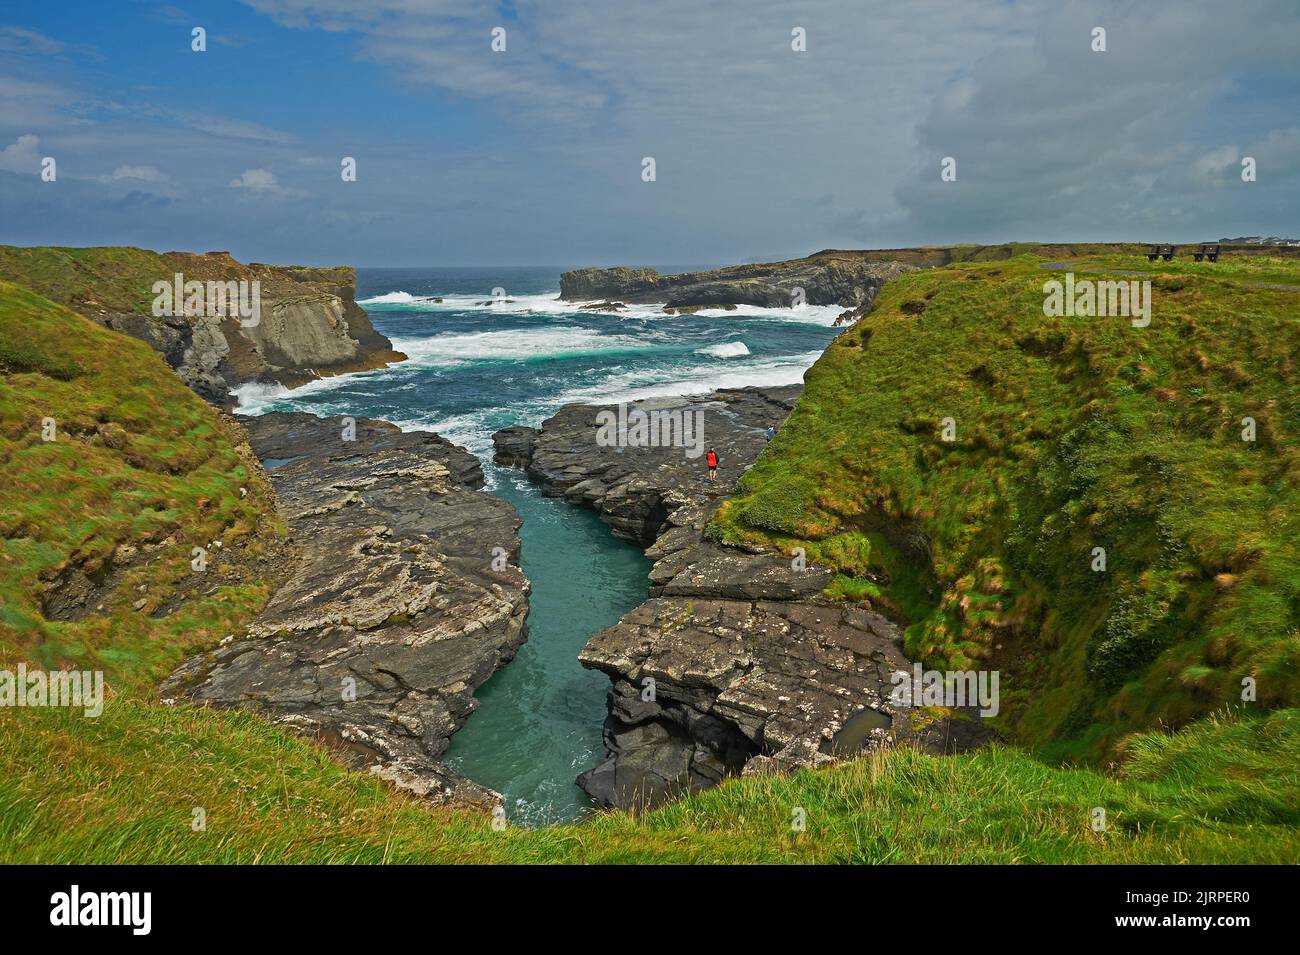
(538, 723)
(736, 663)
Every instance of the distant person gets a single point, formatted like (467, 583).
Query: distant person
(711, 459)
(770, 432)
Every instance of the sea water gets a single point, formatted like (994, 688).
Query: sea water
(479, 363)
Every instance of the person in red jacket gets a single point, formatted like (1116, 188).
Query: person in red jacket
(711, 459)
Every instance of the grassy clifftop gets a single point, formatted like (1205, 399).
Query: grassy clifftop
(305, 325)
(1067, 434)
(935, 256)
(114, 471)
(142, 470)
(118, 279)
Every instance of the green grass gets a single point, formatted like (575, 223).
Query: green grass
(102, 280)
(140, 462)
(1072, 433)
(140, 472)
(112, 279)
(124, 788)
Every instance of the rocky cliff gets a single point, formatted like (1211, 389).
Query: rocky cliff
(405, 596)
(824, 281)
(309, 324)
(737, 663)
(848, 277)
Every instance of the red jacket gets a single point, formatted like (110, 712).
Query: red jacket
(712, 460)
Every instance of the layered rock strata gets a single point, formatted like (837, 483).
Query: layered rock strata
(404, 598)
(308, 325)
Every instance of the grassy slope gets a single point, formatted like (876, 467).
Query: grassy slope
(122, 787)
(90, 280)
(99, 280)
(1072, 433)
(141, 472)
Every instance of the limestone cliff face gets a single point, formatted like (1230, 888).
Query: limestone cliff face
(825, 280)
(310, 327)
(309, 324)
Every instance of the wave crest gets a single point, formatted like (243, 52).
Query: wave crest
(724, 350)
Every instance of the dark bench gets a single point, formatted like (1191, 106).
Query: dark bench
(1210, 252)
(1165, 252)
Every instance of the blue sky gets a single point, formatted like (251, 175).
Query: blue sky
(533, 155)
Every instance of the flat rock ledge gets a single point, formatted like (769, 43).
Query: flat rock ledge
(736, 664)
(395, 611)
(822, 280)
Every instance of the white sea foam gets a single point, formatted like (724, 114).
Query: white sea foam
(393, 298)
(469, 430)
(549, 303)
(544, 303)
(473, 429)
(724, 350)
(699, 379)
(461, 347)
(254, 398)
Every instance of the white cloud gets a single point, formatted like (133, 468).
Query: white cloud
(257, 180)
(1054, 141)
(143, 173)
(759, 149)
(263, 181)
(226, 128)
(22, 156)
(24, 103)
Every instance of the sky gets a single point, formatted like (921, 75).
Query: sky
(534, 154)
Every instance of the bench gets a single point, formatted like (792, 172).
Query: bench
(1165, 252)
(1210, 252)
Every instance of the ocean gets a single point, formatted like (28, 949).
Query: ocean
(477, 365)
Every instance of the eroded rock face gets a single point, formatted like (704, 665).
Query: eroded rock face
(736, 663)
(514, 446)
(394, 612)
(825, 280)
(309, 325)
(634, 489)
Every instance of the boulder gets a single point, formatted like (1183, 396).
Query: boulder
(514, 446)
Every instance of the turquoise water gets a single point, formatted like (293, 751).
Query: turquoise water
(475, 367)
(539, 720)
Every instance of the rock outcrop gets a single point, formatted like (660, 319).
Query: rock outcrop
(634, 489)
(736, 663)
(824, 281)
(514, 446)
(404, 598)
(309, 324)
